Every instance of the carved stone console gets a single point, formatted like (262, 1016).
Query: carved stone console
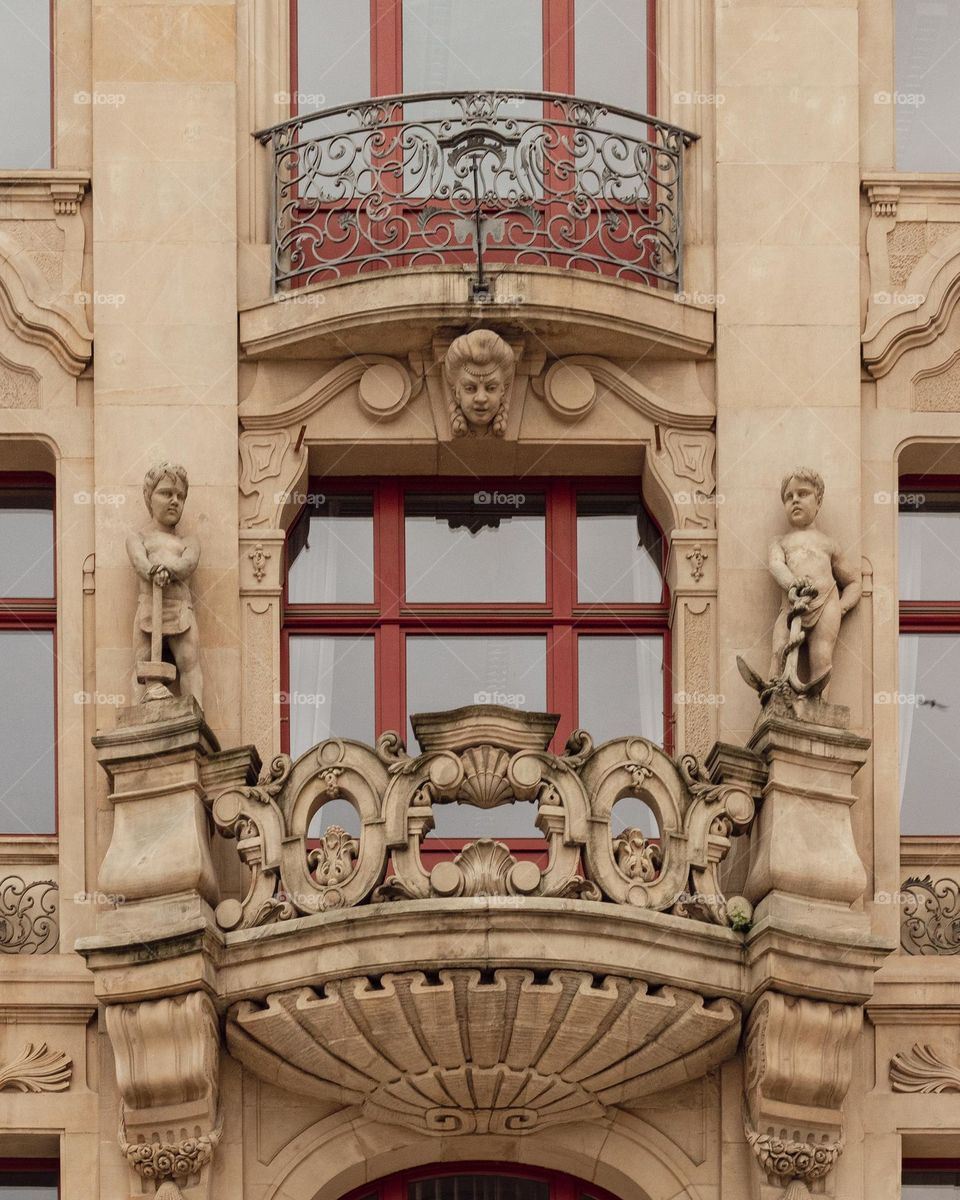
(799, 1062)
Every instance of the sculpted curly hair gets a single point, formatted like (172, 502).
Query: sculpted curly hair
(479, 353)
(157, 472)
(807, 475)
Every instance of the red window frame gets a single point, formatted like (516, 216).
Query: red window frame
(928, 616)
(559, 57)
(562, 1186)
(31, 1166)
(390, 620)
(38, 613)
(931, 1165)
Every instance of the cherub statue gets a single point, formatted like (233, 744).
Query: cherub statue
(819, 587)
(164, 562)
(479, 369)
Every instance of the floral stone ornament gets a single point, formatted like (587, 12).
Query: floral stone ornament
(479, 368)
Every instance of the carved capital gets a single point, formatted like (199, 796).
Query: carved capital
(798, 1067)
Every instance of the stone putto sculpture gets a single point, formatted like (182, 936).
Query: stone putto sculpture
(819, 587)
(479, 369)
(164, 562)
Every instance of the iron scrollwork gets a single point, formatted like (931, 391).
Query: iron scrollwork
(28, 916)
(525, 178)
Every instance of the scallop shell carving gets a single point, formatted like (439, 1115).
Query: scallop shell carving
(485, 865)
(485, 782)
(460, 1053)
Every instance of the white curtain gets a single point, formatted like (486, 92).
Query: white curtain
(911, 582)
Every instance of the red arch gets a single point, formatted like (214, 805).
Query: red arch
(561, 1185)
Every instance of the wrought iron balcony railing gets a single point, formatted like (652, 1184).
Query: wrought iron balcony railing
(485, 179)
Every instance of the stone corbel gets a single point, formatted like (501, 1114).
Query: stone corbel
(167, 1059)
(798, 1067)
(273, 465)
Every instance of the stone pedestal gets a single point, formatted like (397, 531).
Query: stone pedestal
(158, 864)
(804, 865)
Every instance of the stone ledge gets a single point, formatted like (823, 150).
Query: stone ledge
(394, 312)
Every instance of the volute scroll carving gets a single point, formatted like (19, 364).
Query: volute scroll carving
(482, 756)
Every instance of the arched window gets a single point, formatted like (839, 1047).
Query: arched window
(416, 595)
(479, 1181)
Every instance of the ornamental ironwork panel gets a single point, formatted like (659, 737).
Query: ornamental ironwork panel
(930, 922)
(28, 916)
(482, 180)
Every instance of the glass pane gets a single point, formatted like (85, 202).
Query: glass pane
(621, 687)
(331, 690)
(926, 95)
(25, 88)
(449, 672)
(930, 1185)
(610, 52)
(475, 548)
(28, 1185)
(619, 551)
(929, 700)
(330, 552)
(464, 821)
(333, 54)
(929, 549)
(26, 535)
(478, 1187)
(27, 732)
(460, 45)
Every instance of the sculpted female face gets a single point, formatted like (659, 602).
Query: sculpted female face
(480, 396)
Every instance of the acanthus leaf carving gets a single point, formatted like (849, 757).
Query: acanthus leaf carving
(921, 1070)
(37, 1069)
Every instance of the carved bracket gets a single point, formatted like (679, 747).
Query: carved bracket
(167, 1057)
(798, 1067)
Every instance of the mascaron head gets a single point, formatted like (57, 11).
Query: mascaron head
(479, 368)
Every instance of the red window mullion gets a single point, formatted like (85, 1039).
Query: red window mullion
(390, 684)
(558, 35)
(386, 47)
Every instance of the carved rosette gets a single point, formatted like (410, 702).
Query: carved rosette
(171, 1164)
(462, 1053)
(798, 1067)
(483, 756)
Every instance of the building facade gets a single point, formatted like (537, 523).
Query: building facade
(409, 804)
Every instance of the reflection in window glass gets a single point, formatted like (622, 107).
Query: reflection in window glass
(333, 53)
(26, 732)
(929, 701)
(460, 45)
(476, 547)
(930, 1185)
(25, 84)
(621, 687)
(929, 545)
(516, 820)
(331, 552)
(26, 535)
(927, 74)
(619, 551)
(331, 690)
(478, 1187)
(28, 1185)
(449, 672)
(610, 48)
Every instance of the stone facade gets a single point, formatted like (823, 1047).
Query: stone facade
(198, 1004)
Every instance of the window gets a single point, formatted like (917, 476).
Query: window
(408, 596)
(27, 628)
(927, 70)
(929, 696)
(479, 1181)
(347, 50)
(29, 1179)
(25, 84)
(930, 1179)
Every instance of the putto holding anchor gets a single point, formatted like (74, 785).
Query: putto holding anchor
(819, 587)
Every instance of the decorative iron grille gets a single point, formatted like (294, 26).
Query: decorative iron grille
(484, 179)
